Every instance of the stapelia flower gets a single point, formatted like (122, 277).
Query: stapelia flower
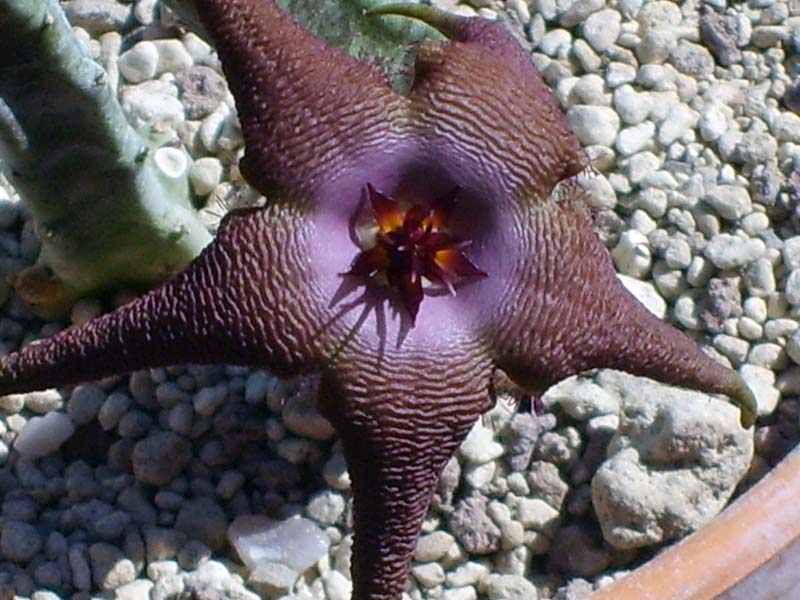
(412, 244)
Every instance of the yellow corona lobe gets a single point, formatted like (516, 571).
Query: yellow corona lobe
(410, 246)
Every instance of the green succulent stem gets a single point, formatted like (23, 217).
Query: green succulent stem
(112, 208)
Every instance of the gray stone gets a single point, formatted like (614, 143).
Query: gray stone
(19, 541)
(41, 436)
(675, 461)
(296, 542)
(161, 543)
(172, 56)
(720, 34)
(538, 515)
(301, 417)
(723, 301)
(473, 528)
(112, 410)
(762, 382)
(85, 402)
(521, 434)
(193, 554)
(582, 399)
(692, 59)
(577, 11)
(208, 399)
(151, 103)
(110, 567)
(79, 565)
(546, 483)
(728, 201)
(48, 575)
(575, 552)
(203, 519)
(202, 90)
(159, 458)
(508, 587)
(677, 124)
(97, 16)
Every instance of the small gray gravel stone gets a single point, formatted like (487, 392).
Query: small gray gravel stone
(19, 541)
(159, 458)
(85, 402)
(508, 587)
(79, 565)
(301, 417)
(202, 90)
(113, 409)
(162, 544)
(97, 16)
(110, 567)
(473, 528)
(575, 552)
(720, 34)
(202, 518)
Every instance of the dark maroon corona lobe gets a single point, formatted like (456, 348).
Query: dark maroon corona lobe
(411, 246)
(401, 388)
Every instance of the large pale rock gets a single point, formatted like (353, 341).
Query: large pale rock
(672, 466)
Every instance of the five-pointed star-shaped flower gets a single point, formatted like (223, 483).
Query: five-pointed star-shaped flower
(411, 245)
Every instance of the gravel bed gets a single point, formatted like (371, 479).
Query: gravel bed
(127, 488)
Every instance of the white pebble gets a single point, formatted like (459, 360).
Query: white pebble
(594, 124)
(602, 29)
(480, 447)
(297, 543)
(635, 139)
(677, 125)
(730, 202)
(728, 251)
(632, 254)
(762, 382)
(205, 174)
(43, 435)
(139, 63)
(172, 56)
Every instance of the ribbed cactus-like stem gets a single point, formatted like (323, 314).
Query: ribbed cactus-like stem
(112, 209)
